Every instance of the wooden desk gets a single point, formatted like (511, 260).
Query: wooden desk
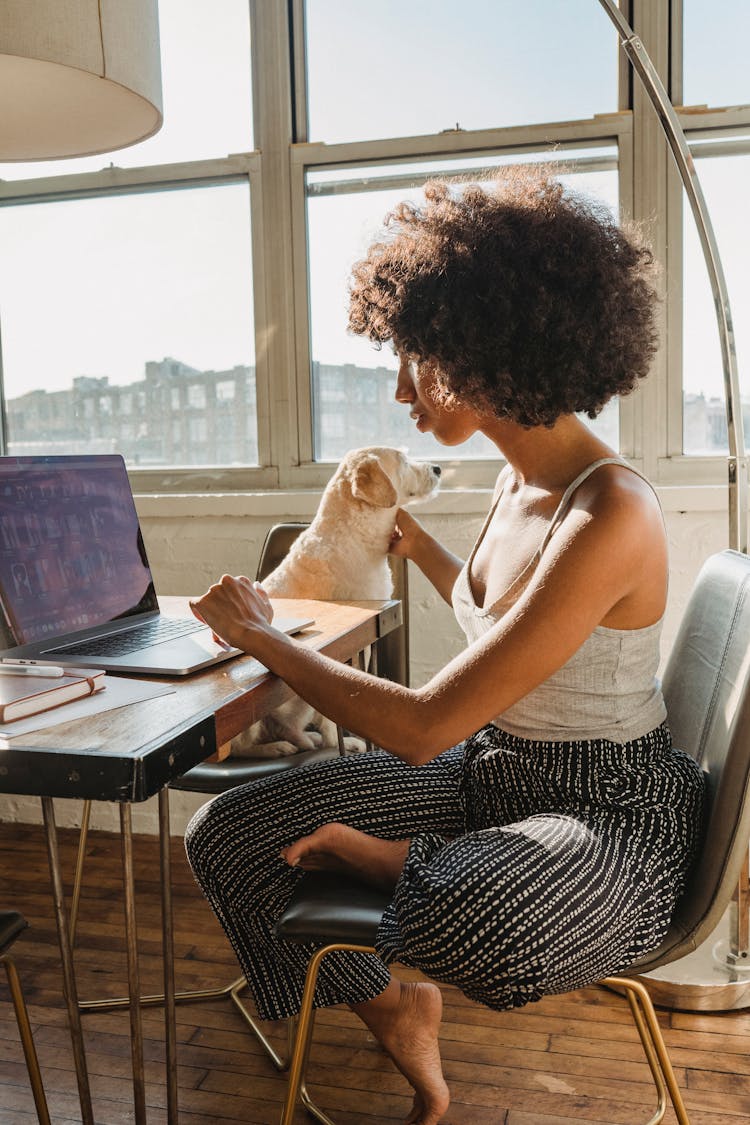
(131, 753)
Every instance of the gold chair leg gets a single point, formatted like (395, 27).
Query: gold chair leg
(305, 1019)
(641, 1007)
(280, 1062)
(654, 1046)
(27, 1041)
(651, 1057)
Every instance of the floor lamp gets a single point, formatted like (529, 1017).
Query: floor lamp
(716, 976)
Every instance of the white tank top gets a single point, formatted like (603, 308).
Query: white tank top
(608, 688)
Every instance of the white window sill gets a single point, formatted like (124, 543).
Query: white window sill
(303, 503)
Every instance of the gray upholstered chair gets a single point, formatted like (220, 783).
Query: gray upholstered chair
(706, 689)
(11, 925)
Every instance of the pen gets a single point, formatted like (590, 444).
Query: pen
(53, 670)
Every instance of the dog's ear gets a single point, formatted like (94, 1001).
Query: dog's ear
(372, 484)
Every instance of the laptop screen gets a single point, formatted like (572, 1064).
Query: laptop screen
(71, 550)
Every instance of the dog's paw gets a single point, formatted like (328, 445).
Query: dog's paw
(354, 745)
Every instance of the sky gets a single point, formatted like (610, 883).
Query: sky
(99, 287)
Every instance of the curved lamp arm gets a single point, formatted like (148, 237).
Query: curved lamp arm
(736, 463)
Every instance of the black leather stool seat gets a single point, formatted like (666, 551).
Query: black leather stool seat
(11, 925)
(217, 777)
(329, 908)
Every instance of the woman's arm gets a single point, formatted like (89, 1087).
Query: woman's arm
(599, 561)
(439, 565)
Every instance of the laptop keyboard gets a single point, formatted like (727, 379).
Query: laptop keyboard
(131, 640)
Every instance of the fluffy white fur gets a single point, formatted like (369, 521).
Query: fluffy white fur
(341, 555)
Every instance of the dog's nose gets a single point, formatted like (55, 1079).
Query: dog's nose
(436, 470)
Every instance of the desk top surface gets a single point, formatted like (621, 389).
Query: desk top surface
(130, 752)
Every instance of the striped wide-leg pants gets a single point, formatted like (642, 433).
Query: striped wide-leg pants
(534, 867)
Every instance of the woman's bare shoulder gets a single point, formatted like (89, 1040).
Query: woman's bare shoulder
(620, 492)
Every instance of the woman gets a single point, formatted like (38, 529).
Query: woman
(546, 832)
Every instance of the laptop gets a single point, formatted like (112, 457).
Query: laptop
(75, 584)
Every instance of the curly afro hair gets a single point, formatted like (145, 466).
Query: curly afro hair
(527, 299)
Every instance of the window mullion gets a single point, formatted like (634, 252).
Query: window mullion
(275, 328)
(651, 178)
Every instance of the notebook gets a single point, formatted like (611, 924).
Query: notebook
(75, 583)
(29, 695)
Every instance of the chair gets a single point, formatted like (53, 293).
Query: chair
(11, 925)
(213, 778)
(707, 691)
(393, 650)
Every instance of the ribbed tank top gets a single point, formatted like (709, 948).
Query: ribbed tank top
(607, 690)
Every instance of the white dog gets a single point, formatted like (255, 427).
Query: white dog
(341, 555)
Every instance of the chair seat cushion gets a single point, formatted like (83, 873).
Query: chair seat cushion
(328, 908)
(218, 777)
(11, 925)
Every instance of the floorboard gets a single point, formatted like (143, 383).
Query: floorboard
(568, 1059)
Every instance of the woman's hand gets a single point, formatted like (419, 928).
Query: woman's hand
(405, 535)
(410, 541)
(231, 606)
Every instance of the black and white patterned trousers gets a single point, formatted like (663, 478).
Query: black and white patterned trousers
(534, 867)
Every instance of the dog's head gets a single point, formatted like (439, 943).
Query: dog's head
(387, 478)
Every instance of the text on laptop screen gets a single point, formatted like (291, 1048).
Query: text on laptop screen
(71, 551)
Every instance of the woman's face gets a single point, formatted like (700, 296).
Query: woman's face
(416, 387)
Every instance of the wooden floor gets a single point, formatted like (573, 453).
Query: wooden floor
(567, 1059)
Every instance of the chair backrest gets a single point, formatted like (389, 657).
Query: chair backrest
(279, 539)
(393, 650)
(707, 693)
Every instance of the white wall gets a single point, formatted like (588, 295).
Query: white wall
(193, 539)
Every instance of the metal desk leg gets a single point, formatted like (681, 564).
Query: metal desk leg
(134, 983)
(170, 1019)
(66, 957)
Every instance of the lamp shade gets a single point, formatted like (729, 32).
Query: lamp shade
(77, 77)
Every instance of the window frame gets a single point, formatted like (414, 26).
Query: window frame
(650, 418)
(114, 181)
(610, 130)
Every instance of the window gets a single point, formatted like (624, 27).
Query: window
(715, 52)
(133, 278)
(433, 66)
(724, 180)
(225, 390)
(135, 281)
(183, 301)
(714, 75)
(197, 396)
(345, 211)
(198, 433)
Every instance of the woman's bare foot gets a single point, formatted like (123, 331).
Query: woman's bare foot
(337, 847)
(405, 1019)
